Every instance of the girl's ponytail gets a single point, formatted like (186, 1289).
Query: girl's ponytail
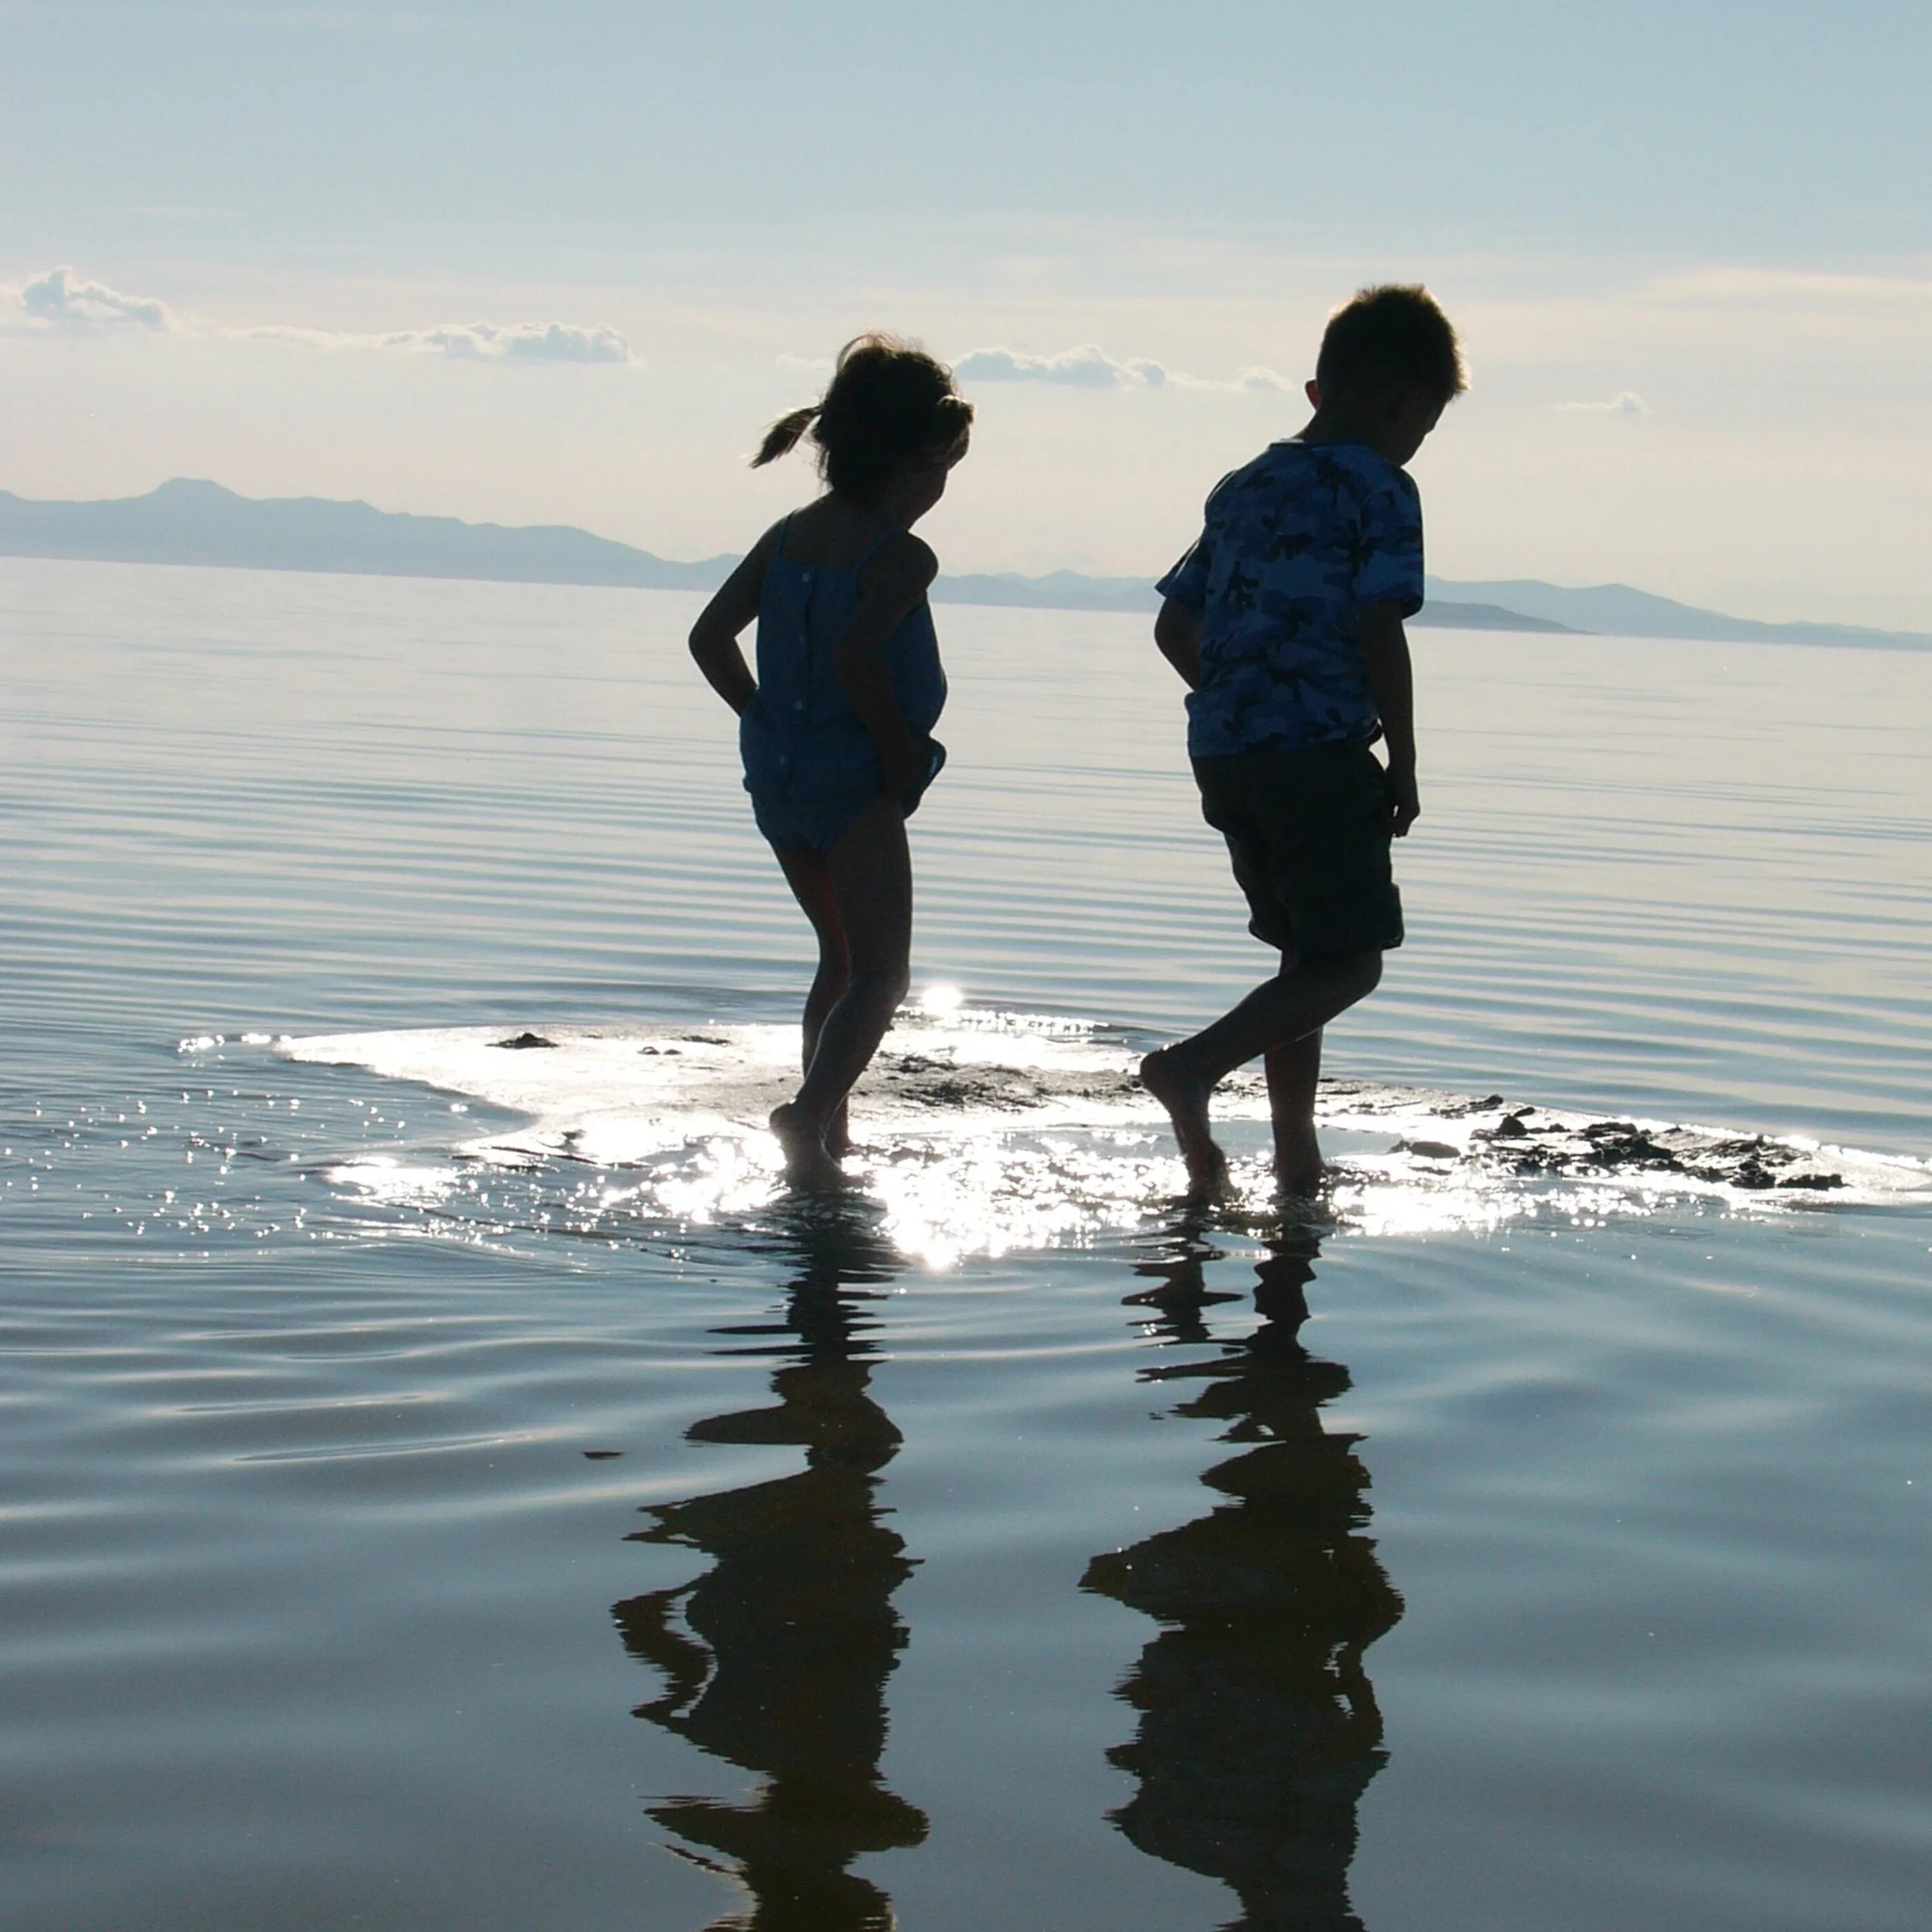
(782, 438)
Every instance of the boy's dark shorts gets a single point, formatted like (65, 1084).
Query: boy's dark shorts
(1308, 831)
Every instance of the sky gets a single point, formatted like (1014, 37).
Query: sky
(561, 265)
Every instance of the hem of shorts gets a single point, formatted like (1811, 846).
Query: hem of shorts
(1306, 957)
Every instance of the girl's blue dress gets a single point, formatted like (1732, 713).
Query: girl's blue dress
(810, 764)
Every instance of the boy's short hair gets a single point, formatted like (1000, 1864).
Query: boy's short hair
(1393, 334)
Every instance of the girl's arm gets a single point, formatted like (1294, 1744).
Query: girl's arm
(714, 638)
(894, 581)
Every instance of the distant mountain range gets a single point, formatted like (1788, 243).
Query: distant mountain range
(185, 522)
(1615, 610)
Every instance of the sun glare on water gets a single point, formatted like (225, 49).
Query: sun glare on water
(981, 1133)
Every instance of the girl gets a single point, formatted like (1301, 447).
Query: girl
(836, 729)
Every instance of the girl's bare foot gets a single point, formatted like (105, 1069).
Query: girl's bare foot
(1185, 1097)
(807, 1163)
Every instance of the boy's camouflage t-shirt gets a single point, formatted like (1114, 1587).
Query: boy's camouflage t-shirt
(1294, 544)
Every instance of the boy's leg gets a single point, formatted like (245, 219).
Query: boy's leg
(1293, 1073)
(809, 875)
(870, 868)
(1307, 834)
(1299, 1000)
(1288, 1007)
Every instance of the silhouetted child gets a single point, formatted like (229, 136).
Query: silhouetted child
(836, 729)
(1285, 619)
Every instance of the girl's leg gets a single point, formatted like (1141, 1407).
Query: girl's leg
(871, 871)
(809, 875)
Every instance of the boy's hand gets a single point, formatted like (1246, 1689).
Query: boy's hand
(1385, 660)
(1405, 804)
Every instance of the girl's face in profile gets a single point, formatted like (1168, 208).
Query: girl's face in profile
(926, 477)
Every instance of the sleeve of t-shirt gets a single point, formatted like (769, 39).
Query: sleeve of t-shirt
(1186, 583)
(1391, 571)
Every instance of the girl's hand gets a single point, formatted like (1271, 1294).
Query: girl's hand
(903, 770)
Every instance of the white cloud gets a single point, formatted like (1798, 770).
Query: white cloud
(519, 342)
(1626, 402)
(55, 303)
(1785, 286)
(1090, 367)
(466, 342)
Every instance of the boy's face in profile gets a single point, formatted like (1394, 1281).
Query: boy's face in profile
(1395, 422)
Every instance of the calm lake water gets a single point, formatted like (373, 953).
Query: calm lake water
(397, 1538)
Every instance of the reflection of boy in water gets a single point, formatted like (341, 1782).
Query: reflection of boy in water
(792, 1636)
(1258, 1730)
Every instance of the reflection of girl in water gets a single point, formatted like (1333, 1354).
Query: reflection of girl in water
(1258, 1730)
(787, 1641)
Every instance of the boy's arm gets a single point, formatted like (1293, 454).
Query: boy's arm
(1177, 636)
(899, 577)
(714, 638)
(1391, 684)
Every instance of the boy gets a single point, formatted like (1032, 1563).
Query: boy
(1285, 619)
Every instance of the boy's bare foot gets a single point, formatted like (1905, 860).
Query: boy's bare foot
(807, 1163)
(1185, 1099)
(1301, 1184)
(1299, 1169)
